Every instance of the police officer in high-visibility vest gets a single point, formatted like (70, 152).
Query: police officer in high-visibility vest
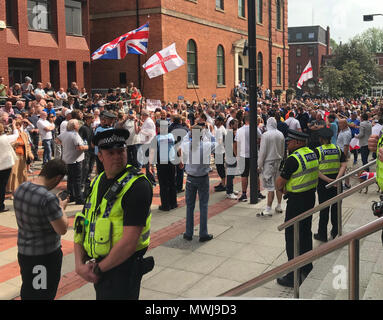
(112, 231)
(332, 166)
(298, 181)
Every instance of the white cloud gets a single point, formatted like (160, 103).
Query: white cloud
(344, 17)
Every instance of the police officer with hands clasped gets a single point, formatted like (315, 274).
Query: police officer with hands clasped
(298, 181)
(332, 166)
(112, 233)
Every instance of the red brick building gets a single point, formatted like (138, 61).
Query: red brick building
(210, 37)
(47, 40)
(305, 44)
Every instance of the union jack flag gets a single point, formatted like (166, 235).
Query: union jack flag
(135, 42)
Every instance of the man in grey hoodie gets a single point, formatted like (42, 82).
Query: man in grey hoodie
(270, 155)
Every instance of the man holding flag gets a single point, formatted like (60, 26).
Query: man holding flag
(306, 75)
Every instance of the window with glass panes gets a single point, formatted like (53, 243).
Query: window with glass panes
(260, 69)
(260, 11)
(73, 17)
(39, 15)
(219, 4)
(220, 65)
(279, 71)
(241, 8)
(192, 62)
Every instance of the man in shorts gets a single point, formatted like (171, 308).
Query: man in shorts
(271, 153)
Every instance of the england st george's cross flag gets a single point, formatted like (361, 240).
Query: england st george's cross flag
(163, 62)
(135, 42)
(306, 75)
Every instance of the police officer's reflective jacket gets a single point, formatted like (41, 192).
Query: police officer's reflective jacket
(99, 228)
(379, 165)
(329, 158)
(306, 176)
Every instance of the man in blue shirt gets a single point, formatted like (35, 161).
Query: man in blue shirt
(166, 170)
(197, 147)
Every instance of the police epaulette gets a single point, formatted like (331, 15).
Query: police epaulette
(135, 171)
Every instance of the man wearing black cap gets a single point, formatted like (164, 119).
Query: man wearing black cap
(107, 119)
(298, 179)
(332, 165)
(113, 229)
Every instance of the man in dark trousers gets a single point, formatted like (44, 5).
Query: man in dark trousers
(298, 180)
(332, 166)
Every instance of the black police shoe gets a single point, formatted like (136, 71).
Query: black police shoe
(162, 208)
(206, 238)
(188, 238)
(286, 282)
(318, 237)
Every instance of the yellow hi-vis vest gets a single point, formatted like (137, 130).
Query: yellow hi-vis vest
(379, 165)
(329, 159)
(306, 176)
(98, 229)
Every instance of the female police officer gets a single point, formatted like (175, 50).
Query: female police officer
(109, 234)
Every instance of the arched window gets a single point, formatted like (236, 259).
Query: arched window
(192, 62)
(220, 65)
(260, 69)
(279, 71)
(279, 15)
(240, 68)
(260, 11)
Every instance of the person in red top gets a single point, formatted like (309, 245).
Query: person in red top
(136, 95)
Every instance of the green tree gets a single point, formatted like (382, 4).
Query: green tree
(353, 79)
(372, 39)
(356, 51)
(332, 81)
(333, 44)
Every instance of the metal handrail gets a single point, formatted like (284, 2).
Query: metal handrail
(295, 221)
(352, 239)
(351, 173)
(327, 203)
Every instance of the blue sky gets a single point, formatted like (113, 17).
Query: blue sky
(344, 17)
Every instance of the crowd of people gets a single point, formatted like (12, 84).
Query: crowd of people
(66, 121)
(177, 139)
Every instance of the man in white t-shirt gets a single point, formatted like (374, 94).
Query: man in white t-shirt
(73, 155)
(242, 151)
(293, 123)
(220, 133)
(63, 125)
(45, 129)
(145, 135)
(61, 96)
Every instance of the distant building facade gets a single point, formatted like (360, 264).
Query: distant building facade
(47, 40)
(210, 37)
(305, 44)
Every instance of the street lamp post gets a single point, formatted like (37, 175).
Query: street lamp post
(253, 102)
(370, 17)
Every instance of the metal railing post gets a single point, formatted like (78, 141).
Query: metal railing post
(296, 254)
(353, 270)
(339, 208)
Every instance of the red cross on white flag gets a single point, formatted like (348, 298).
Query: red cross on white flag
(306, 75)
(163, 61)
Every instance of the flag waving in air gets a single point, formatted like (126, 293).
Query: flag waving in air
(306, 75)
(135, 42)
(163, 61)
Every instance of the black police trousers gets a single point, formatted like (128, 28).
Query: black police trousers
(297, 204)
(122, 282)
(324, 195)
